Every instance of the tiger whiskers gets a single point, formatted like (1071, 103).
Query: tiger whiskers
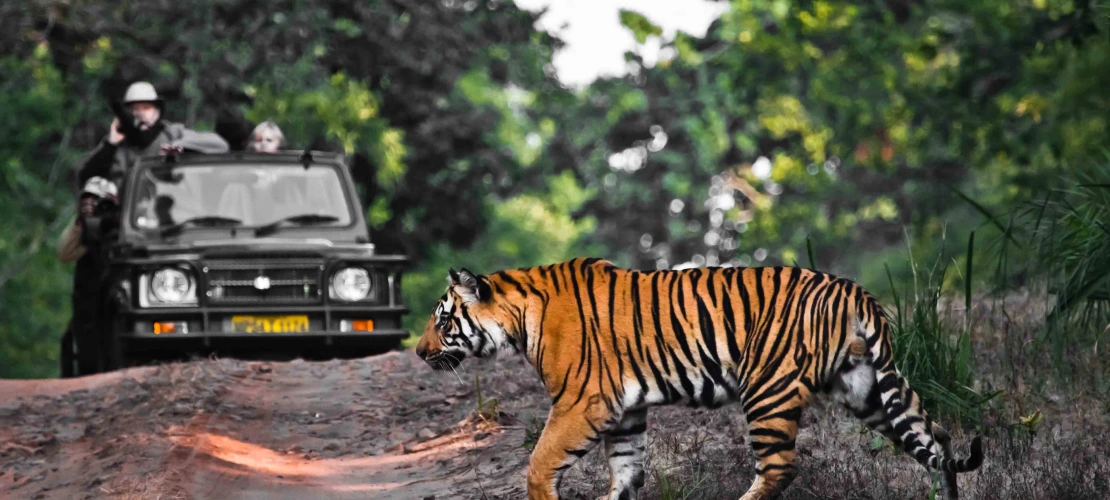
(457, 361)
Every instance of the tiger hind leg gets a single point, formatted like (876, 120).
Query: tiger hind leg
(773, 428)
(624, 446)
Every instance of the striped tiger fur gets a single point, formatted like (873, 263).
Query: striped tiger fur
(610, 342)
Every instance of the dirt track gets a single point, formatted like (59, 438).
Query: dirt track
(390, 427)
(381, 427)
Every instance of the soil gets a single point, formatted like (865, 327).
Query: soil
(389, 427)
(380, 427)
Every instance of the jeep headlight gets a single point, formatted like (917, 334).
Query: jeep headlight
(172, 286)
(351, 284)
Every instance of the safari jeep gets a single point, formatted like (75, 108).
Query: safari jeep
(247, 255)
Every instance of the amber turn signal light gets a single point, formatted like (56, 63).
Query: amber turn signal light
(163, 327)
(356, 325)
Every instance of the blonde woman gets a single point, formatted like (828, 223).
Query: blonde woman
(266, 138)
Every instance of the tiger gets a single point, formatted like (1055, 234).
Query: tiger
(609, 342)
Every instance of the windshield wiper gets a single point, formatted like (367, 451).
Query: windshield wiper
(203, 221)
(300, 220)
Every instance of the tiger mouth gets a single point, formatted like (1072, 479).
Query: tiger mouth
(446, 360)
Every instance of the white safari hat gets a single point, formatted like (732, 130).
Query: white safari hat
(141, 92)
(101, 187)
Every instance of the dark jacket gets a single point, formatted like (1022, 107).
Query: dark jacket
(112, 162)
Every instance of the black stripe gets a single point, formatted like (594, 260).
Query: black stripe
(768, 432)
(563, 389)
(764, 411)
(730, 327)
(710, 285)
(613, 331)
(504, 276)
(582, 320)
(765, 450)
(638, 428)
(708, 331)
(676, 326)
(637, 316)
(639, 376)
(555, 270)
(663, 385)
(662, 346)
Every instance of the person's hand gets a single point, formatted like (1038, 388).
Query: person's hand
(114, 135)
(171, 149)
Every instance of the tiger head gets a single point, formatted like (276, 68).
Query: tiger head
(463, 324)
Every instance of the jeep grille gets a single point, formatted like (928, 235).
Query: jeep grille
(237, 282)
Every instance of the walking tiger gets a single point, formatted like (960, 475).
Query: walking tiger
(609, 342)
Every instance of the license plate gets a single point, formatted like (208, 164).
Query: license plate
(269, 324)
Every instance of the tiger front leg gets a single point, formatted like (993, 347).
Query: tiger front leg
(570, 433)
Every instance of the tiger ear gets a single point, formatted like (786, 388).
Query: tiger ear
(452, 277)
(472, 288)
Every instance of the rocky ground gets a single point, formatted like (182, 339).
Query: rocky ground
(390, 427)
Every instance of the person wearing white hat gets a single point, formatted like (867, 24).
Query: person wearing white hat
(146, 134)
(83, 332)
(70, 246)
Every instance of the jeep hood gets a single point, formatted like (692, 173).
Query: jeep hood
(244, 247)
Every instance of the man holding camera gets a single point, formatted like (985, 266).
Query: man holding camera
(145, 133)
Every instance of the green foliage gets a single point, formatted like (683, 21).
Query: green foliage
(1074, 247)
(676, 487)
(526, 230)
(863, 113)
(486, 409)
(34, 158)
(1067, 250)
(532, 434)
(640, 26)
(345, 111)
(934, 356)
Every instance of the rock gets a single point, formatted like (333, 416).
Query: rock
(425, 433)
(480, 436)
(331, 447)
(181, 409)
(398, 436)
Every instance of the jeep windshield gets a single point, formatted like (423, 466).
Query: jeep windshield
(173, 198)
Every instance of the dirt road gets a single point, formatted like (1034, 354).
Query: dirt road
(389, 427)
(381, 427)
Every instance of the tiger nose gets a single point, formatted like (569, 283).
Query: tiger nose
(422, 351)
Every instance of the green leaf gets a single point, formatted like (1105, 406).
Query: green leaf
(640, 26)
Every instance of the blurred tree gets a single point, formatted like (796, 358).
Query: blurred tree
(837, 121)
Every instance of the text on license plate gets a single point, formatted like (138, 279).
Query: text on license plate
(269, 324)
